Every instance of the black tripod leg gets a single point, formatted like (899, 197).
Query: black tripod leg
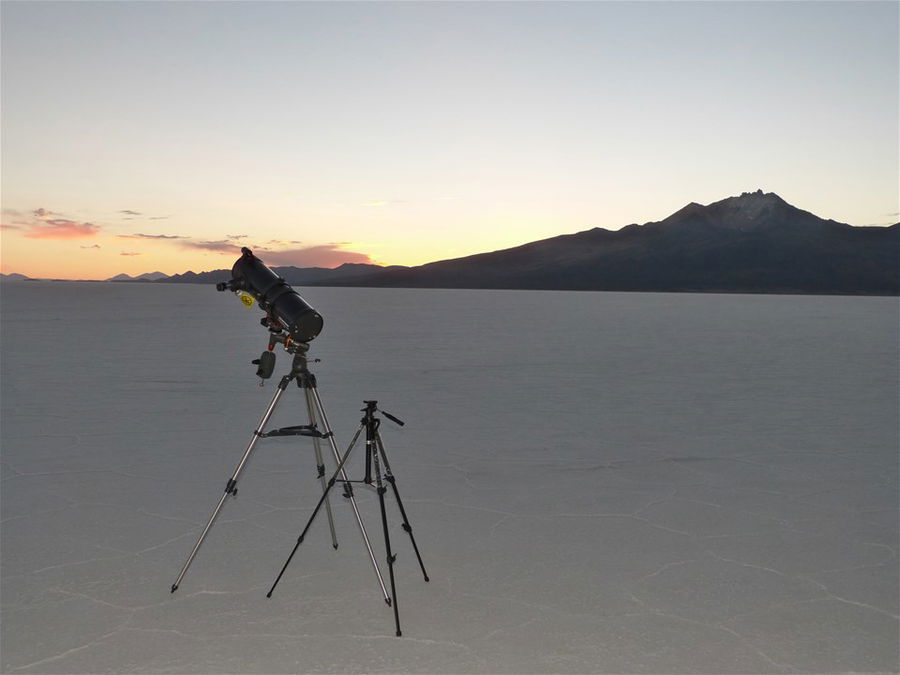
(389, 477)
(231, 486)
(312, 517)
(371, 424)
(390, 556)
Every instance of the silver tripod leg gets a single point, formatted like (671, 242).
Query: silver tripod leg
(320, 464)
(337, 458)
(231, 487)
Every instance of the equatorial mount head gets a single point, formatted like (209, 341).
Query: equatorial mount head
(278, 335)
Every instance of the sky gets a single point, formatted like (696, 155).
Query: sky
(145, 136)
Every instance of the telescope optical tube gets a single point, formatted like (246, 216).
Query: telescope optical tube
(275, 296)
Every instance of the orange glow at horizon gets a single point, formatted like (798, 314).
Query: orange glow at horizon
(67, 249)
(102, 256)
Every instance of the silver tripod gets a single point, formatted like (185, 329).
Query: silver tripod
(306, 381)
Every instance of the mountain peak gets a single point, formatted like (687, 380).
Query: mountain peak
(758, 199)
(745, 212)
(146, 276)
(753, 207)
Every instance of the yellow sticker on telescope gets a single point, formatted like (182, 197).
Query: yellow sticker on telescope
(246, 298)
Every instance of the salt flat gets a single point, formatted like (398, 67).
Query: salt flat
(598, 482)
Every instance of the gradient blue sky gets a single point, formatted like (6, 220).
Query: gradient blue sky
(161, 135)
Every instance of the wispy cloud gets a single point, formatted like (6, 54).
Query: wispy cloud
(149, 236)
(325, 255)
(92, 246)
(129, 253)
(44, 213)
(279, 242)
(61, 228)
(221, 246)
(43, 223)
(236, 236)
(131, 214)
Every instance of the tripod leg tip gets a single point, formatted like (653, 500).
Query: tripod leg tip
(388, 601)
(335, 546)
(399, 634)
(174, 588)
(426, 578)
(269, 594)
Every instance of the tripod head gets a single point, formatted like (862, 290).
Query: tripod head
(277, 335)
(372, 407)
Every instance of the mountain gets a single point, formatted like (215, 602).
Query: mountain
(308, 276)
(754, 243)
(14, 277)
(146, 276)
(153, 276)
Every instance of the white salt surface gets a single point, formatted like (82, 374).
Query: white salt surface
(598, 482)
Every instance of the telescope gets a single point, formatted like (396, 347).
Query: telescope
(282, 303)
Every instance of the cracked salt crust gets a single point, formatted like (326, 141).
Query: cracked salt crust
(652, 483)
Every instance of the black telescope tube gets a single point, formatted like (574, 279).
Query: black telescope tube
(275, 296)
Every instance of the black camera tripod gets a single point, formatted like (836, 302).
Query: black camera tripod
(307, 382)
(374, 451)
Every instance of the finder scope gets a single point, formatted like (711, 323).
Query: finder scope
(274, 296)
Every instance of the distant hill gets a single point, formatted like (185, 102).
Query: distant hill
(754, 243)
(308, 276)
(14, 277)
(147, 276)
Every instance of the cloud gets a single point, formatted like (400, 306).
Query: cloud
(236, 236)
(149, 236)
(60, 228)
(129, 214)
(216, 246)
(129, 253)
(326, 255)
(92, 246)
(43, 223)
(44, 213)
(280, 242)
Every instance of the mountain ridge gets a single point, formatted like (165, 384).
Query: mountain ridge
(755, 242)
(146, 276)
